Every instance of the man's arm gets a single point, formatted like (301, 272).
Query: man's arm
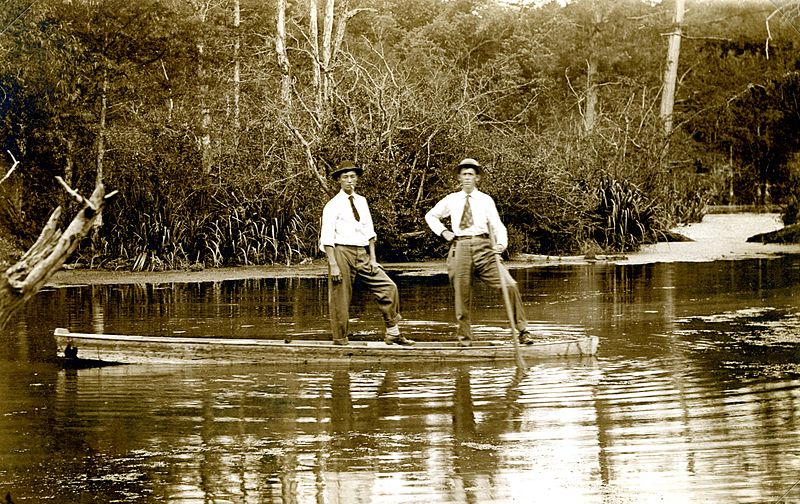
(373, 258)
(497, 228)
(333, 267)
(327, 227)
(434, 220)
(327, 232)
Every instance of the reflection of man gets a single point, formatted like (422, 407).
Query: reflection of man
(348, 240)
(473, 215)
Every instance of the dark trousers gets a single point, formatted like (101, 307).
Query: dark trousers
(354, 264)
(474, 258)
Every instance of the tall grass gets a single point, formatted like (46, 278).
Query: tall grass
(233, 230)
(625, 217)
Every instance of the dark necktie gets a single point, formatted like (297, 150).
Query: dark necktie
(466, 217)
(353, 206)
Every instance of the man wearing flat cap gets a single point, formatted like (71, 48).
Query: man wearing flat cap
(348, 240)
(473, 216)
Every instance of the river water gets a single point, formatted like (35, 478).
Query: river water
(693, 397)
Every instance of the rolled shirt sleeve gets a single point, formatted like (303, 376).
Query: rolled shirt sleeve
(497, 227)
(436, 214)
(328, 226)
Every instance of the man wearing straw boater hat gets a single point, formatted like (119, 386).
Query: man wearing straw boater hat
(477, 235)
(348, 240)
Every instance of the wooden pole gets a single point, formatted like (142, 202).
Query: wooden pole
(507, 301)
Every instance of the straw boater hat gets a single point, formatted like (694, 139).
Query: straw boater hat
(469, 163)
(346, 166)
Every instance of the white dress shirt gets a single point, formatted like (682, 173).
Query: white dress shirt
(484, 216)
(339, 225)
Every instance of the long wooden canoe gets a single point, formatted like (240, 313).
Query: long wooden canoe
(132, 349)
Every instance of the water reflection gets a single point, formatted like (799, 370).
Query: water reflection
(694, 397)
(298, 436)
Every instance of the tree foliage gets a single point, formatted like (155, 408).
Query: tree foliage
(407, 88)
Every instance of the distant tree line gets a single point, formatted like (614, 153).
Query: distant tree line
(218, 122)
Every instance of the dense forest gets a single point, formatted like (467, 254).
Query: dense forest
(218, 121)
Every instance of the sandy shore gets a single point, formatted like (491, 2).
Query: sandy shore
(717, 237)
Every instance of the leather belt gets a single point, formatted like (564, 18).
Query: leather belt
(469, 237)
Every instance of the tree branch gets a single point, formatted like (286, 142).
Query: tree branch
(10, 170)
(24, 279)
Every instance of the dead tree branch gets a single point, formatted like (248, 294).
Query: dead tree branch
(20, 282)
(10, 170)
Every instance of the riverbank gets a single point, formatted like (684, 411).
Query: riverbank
(717, 237)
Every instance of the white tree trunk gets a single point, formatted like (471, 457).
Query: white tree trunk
(101, 147)
(283, 58)
(327, 36)
(313, 36)
(201, 11)
(591, 95)
(671, 70)
(237, 79)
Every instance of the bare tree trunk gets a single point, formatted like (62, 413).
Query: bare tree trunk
(322, 61)
(591, 74)
(283, 59)
(68, 170)
(591, 95)
(236, 65)
(327, 32)
(20, 282)
(789, 11)
(311, 162)
(201, 9)
(671, 70)
(205, 118)
(313, 27)
(101, 147)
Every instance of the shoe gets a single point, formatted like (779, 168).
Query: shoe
(341, 342)
(525, 337)
(464, 342)
(398, 340)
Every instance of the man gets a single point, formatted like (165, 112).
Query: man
(348, 240)
(473, 216)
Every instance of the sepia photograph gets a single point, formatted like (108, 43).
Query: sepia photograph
(400, 251)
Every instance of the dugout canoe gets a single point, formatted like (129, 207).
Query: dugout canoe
(133, 349)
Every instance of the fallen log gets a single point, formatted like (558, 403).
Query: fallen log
(787, 234)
